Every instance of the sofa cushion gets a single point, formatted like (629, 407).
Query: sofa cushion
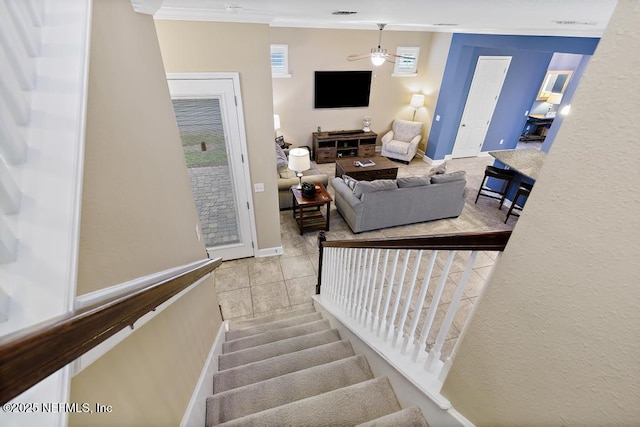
(448, 177)
(372, 186)
(395, 146)
(351, 183)
(281, 157)
(413, 181)
(285, 172)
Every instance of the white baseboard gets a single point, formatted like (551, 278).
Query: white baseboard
(260, 253)
(430, 161)
(196, 412)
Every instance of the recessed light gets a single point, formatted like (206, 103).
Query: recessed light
(574, 22)
(343, 12)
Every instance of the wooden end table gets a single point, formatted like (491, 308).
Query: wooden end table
(383, 168)
(307, 212)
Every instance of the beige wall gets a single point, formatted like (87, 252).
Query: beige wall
(243, 48)
(326, 50)
(555, 339)
(138, 217)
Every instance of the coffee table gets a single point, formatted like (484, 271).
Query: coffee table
(383, 168)
(307, 212)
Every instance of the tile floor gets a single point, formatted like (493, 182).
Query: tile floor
(253, 287)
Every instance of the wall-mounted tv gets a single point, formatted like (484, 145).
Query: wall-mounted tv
(340, 89)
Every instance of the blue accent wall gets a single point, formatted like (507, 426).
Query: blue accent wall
(530, 59)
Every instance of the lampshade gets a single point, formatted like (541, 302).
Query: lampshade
(417, 100)
(299, 159)
(555, 98)
(276, 121)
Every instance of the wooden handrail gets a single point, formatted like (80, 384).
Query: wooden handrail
(30, 355)
(474, 241)
(483, 241)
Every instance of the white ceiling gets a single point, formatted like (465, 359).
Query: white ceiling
(583, 18)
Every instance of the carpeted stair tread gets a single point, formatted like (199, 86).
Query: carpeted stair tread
(266, 351)
(276, 335)
(409, 417)
(265, 327)
(345, 406)
(247, 323)
(280, 365)
(287, 388)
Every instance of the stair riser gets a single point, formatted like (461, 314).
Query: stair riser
(259, 329)
(273, 336)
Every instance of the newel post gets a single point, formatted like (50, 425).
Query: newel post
(321, 239)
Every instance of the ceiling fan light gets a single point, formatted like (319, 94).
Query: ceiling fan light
(377, 60)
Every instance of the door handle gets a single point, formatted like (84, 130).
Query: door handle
(463, 125)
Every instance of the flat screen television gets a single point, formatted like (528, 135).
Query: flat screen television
(340, 89)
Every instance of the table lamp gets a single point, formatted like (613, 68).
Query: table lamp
(299, 161)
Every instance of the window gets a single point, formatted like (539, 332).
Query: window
(280, 60)
(407, 66)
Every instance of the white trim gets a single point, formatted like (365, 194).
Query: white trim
(281, 76)
(196, 413)
(277, 250)
(113, 291)
(101, 349)
(433, 162)
(147, 7)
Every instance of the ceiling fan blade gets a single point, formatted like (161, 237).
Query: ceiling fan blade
(401, 56)
(356, 57)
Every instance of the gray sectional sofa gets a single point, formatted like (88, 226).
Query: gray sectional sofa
(387, 203)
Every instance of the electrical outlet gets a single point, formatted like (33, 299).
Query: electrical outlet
(501, 141)
(198, 232)
(526, 113)
(259, 187)
(437, 117)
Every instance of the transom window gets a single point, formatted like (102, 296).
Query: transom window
(280, 60)
(408, 65)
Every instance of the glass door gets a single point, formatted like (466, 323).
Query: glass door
(214, 150)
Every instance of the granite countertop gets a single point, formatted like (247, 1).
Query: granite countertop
(528, 161)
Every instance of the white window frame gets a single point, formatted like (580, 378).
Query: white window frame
(404, 67)
(280, 72)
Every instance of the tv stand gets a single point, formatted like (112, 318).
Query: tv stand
(344, 132)
(332, 145)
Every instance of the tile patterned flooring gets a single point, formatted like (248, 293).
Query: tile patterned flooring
(254, 287)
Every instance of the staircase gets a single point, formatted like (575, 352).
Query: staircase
(293, 369)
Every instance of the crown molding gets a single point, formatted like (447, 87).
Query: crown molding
(148, 7)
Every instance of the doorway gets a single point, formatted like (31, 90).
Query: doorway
(211, 127)
(486, 85)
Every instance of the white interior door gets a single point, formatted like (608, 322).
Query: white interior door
(481, 102)
(209, 114)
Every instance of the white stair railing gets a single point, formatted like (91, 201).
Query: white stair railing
(401, 298)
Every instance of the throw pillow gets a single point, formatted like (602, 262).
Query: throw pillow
(453, 176)
(413, 181)
(281, 157)
(351, 183)
(373, 186)
(437, 170)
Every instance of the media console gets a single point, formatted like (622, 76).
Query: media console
(332, 145)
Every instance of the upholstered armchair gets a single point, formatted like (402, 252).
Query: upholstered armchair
(401, 142)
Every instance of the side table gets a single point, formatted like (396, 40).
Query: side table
(307, 211)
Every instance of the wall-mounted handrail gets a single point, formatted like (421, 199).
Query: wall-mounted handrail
(30, 355)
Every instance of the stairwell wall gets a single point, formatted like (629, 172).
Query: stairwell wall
(138, 217)
(554, 339)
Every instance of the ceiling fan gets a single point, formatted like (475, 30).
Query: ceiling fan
(378, 55)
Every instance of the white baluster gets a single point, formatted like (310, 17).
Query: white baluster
(356, 283)
(328, 270)
(428, 322)
(29, 34)
(406, 304)
(8, 244)
(362, 283)
(23, 67)
(10, 194)
(392, 323)
(435, 352)
(383, 319)
(367, 289)
(372, 287)
(410, 338)
(376, 317)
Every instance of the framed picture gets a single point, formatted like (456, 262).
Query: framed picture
(280, 141)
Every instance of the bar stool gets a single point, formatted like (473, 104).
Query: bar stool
(523, 190)
(506, 175)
